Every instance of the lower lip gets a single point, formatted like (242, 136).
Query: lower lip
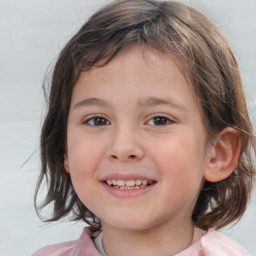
(118, 192)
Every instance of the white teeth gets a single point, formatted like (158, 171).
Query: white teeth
(129, 184)
(109, 182)
(138, 182)
(120, 183)
(144, 182)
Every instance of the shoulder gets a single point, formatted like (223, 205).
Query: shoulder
(215, 243)
(84, 246)
(61, 249)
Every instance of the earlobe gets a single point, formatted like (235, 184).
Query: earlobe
(66, 163)
(224, 155)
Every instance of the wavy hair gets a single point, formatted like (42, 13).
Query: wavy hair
(212, 69)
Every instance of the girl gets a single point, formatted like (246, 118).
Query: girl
(147, 137)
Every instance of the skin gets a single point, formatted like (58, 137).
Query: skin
(130, 142)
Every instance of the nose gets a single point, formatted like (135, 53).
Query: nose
(125, 146)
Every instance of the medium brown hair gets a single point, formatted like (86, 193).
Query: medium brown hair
(210, 66)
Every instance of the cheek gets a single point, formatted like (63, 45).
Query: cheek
(180, 158)
(83, 161)
(84, 153)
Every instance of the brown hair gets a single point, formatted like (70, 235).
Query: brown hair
(212, 69)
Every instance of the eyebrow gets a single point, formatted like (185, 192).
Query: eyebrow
(90, 102)
(142, 103)
(155, 101)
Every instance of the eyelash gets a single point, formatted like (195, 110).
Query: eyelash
(167, 120)
(87, 121)
(160, 117)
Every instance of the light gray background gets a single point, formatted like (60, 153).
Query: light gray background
(32, 33)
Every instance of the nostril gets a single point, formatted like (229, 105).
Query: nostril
(129, 157)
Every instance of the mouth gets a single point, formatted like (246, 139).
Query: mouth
(129, 184)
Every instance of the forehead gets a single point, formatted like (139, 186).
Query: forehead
(139, 73)
(141, 58)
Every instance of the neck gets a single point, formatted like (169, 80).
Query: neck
(163, 240)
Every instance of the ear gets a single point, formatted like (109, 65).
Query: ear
(66, 163)
(223, 155)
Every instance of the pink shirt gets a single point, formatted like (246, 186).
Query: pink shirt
(213, 243)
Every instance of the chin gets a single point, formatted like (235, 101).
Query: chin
(128, 222)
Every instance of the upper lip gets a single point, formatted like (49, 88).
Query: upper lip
(118, 176)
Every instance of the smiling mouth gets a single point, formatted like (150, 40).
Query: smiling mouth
(129, 184)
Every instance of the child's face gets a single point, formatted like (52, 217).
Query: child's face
(136, 119)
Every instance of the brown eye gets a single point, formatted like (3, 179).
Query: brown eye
(160, 121)
(97, 121)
